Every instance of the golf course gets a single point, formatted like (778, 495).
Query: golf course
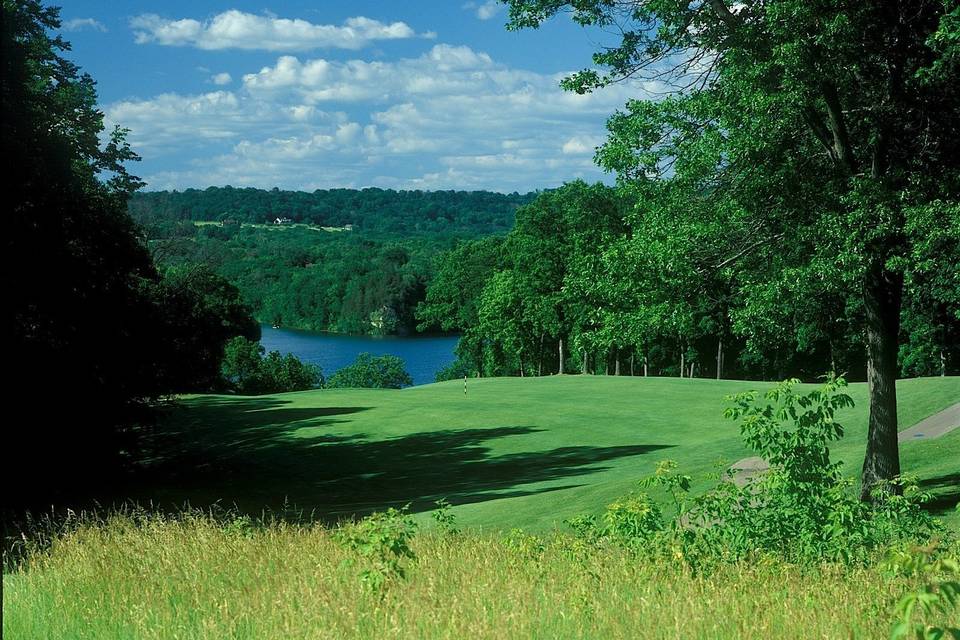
(510, 452)
(273, 546)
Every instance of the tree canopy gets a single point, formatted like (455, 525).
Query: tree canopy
(93, 341)
(823, 133)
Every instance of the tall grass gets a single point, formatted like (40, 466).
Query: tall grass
(194, 576)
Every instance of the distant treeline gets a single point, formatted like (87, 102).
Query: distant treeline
(372, 210)
(311, 279)
(367, 280)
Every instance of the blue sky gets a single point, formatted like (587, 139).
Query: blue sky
(423, 94)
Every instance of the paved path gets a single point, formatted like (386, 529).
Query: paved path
(933, 427)
(748, 468)
(937, 425)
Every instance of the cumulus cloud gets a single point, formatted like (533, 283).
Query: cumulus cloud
(451, 118)
(579, 145)
(221, 78)
(235, 29)
(79, 24)
(484, 10)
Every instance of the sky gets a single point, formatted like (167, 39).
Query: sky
(420, 94)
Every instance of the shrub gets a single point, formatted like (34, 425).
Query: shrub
(245, 370)
(938, 595)
(456, 370)
(383, 541)
(801, 510)
(372, 372)
(443, 516)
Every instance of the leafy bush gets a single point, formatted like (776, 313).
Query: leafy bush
(383, 541)
(801, 509)
(456, 370)
(372, 372)
(446, 521)
(937, 596)
(245, 370)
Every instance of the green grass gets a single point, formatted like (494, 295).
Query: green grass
(195, 579)
(511, 453)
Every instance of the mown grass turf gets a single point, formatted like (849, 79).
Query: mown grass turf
(195, 579)
(510, 453)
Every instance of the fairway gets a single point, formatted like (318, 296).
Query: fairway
(510, 453)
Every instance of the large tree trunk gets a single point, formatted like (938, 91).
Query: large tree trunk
(616, 366)
(646, 367)
(586, 363)
(683, 362)
(882, 301)
(560, 370)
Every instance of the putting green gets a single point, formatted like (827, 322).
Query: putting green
(512, 452)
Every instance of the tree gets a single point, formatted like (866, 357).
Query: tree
(90, 337)
(823, 128)
(78, 291)
(372, 372)
(246, 371)
(197, 312)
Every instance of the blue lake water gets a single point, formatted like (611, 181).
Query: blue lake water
(423, 355)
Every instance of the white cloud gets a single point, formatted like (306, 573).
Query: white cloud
(484, 10)
(79, 24)
(235, 29)
(221, 78)
(579, 145)
(449, 118)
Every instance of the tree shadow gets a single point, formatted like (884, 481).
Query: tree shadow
(256, 454)
(945, 490)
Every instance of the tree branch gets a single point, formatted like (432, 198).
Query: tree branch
(842, 151)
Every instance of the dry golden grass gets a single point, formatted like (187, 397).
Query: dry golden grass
(194, 578)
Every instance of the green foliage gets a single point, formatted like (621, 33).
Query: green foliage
(372, 372)
(800, 510)
(246, 371)
(937, 598)
(443, 516)
(382, 540)
(199, 312)
(456, 370)
(802, 143)
(87, 302)
(451, 298)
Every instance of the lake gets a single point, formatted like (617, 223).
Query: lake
(423, 355)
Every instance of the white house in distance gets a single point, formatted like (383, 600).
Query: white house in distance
(283, 220)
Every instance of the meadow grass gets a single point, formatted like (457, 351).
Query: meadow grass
(193, 577)
(510, 453)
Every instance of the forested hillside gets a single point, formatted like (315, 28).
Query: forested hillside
(316, 272)
(379, 210)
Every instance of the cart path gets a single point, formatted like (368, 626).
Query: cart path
(747, 469)
(937, 425)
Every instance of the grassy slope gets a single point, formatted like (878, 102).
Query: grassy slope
(194, 579)
(511, 453)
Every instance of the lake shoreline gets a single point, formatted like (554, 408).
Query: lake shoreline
(423, 354)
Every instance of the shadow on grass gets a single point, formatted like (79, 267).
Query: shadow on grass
(945, 490)
(255, 453)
